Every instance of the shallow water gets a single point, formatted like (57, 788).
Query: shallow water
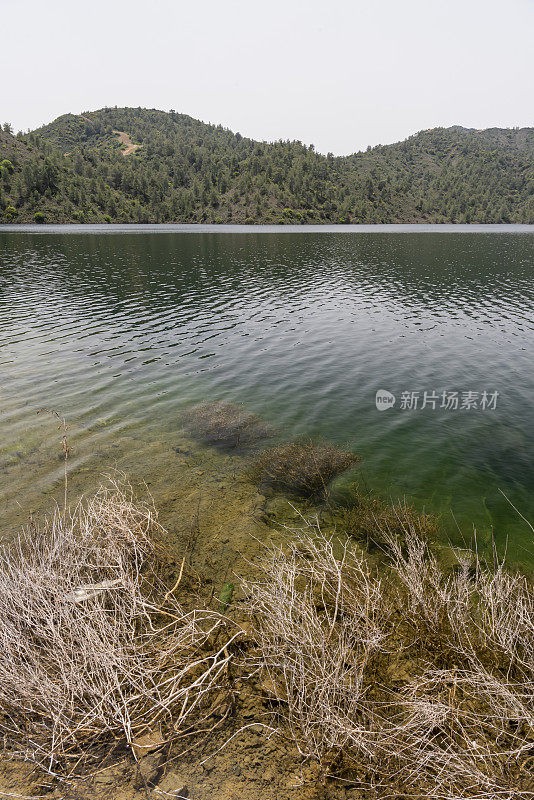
(119, 330)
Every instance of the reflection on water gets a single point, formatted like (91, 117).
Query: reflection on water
(121, 331)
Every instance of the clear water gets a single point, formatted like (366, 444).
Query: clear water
(119, 329)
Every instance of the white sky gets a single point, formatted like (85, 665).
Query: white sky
(341, 74)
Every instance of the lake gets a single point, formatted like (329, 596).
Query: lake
(120, 328)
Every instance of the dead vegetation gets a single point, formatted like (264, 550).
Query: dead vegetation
(318, 620)
(469, 712)
(419, 683)
(301, 467)
(94, 653)
(224, 424)
(409, 681)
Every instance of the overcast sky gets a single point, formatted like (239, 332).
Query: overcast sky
(341, 74)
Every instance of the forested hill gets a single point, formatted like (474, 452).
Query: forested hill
(139, 165)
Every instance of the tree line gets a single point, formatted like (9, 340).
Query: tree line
(74, 170)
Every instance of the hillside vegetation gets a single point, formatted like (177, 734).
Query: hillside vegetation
(85, 168)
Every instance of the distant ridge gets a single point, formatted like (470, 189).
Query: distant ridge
(145, 165)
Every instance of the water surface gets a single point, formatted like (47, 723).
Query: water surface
(119, 329)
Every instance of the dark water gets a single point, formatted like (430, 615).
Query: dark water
(120, 330)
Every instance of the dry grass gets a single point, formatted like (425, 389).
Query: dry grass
(318, 621)
(224, 424)
(468, 733)
(302, 467)
(331, 636)
(92, 653)
(469, 713)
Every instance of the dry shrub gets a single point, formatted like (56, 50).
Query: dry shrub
(468, 733)
(430, 598)
(302, 467)
(318, 621)
(91, 652)
(468, 727)
(331, 638)
(224, 424)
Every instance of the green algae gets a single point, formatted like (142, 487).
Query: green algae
(225, 597)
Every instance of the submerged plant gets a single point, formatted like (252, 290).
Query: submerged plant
(374, 521)
(301, 467)
(224, 424)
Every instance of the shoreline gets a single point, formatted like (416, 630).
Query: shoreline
(168, 227)
(229, 525)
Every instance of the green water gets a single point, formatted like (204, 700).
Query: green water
(121, 330)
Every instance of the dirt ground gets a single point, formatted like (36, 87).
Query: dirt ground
(124, 138)
(250, 767)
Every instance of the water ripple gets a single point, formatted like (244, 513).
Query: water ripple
(303, 328)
